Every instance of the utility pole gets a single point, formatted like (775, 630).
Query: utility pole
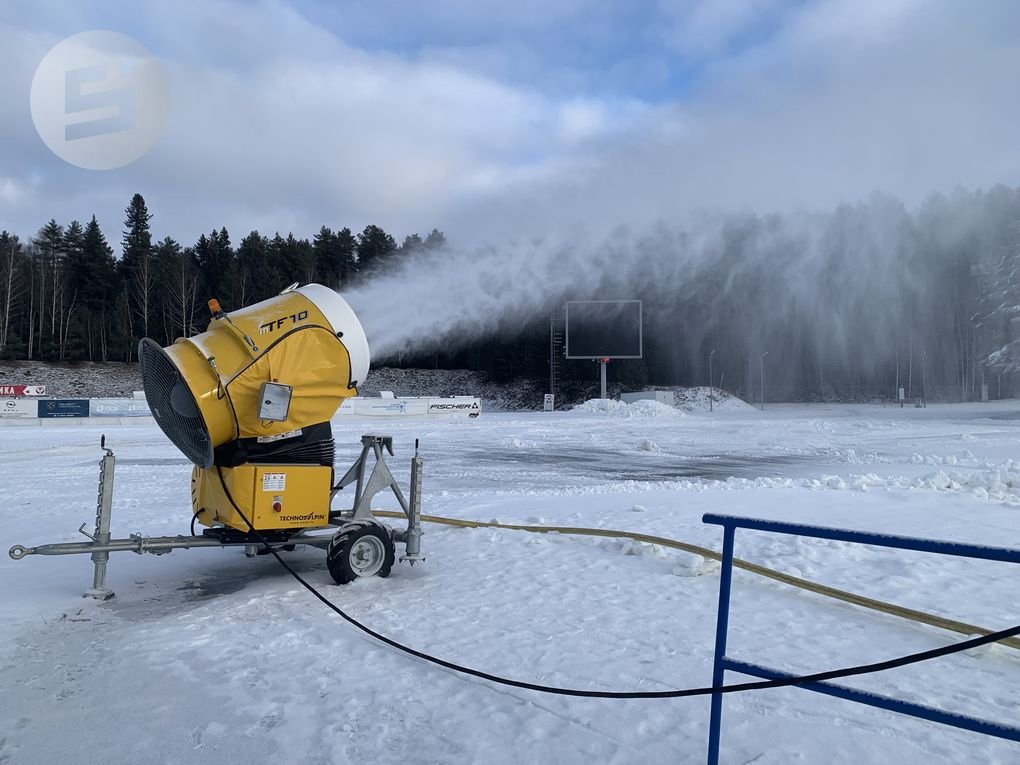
(711, 394)
(766, 353)
(896, 393)
(750, 384)
(924, 364)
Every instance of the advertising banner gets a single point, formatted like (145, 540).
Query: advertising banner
(22, 390)
(64, 407)
(18, 408)
(384, 407)
(455, 405)
(118, 407)
(412, 406)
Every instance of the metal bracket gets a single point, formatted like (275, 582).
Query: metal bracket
(379, 479)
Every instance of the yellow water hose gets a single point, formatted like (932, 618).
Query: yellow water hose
(804, 584)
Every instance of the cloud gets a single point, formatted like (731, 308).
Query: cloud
(522, 118)
(702, 27)
(845, 99)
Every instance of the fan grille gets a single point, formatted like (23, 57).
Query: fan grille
(173, 405)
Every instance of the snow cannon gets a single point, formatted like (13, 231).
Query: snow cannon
(249, 402)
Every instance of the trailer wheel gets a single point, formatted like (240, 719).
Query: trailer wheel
(360, 549)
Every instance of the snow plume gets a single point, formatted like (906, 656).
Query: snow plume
(841, 296)
(795, 264)
(449, 297)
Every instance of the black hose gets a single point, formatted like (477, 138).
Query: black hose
(862, 669)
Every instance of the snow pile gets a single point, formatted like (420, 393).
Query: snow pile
(986, 484)
(965, 459)
(611, 408)
(648, 445)
(998, 484)
(697, 400)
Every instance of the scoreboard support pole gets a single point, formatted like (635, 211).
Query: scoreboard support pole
(602, 375)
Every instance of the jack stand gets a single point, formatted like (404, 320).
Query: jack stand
(412, 539)
(104, 506)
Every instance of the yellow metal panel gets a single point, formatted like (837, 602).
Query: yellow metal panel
(271, 496)
(203, 381)
(312, 361)
(292, 496)
(225, 374)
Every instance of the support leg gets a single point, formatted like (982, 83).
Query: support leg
(721, 627)
(104, 507)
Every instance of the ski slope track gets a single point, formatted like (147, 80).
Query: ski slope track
(206, 656)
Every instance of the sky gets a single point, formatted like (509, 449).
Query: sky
(495, 120)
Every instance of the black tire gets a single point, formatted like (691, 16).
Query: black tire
(361, 548)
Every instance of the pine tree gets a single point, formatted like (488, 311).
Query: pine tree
(257, 275)
(137, 266)
(347, 252)
(99, 289)
(305, 260)
(165, 255)
(278, 257)
(74, 243)
(214, 258)
(375, 248)
(412, 244)
(329, 258)
(435, 240)
(49, 257)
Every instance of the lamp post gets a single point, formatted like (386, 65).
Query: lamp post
(710, 392)
(766, 353)
(924, 363)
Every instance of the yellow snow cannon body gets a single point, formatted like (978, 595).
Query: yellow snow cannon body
(249, 402)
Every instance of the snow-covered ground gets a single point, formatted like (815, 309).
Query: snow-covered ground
(206, 656)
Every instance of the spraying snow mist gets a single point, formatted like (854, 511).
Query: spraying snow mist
(846, 292)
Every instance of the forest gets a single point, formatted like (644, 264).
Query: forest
(850, 304)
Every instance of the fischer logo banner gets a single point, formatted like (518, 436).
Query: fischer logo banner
(22, 390)
(470, 408)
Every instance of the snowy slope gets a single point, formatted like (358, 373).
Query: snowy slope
(208, 657)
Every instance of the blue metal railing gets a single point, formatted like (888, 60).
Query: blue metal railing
(723, 662)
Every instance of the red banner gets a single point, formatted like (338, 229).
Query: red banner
(22, 390)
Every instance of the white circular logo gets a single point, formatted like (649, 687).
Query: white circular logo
(99, 100)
